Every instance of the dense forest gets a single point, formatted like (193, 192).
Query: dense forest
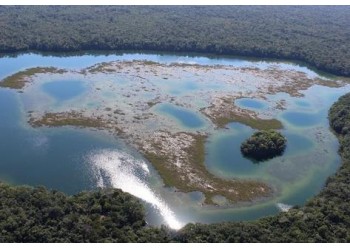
(317, 35)
(38, 215)
(263, 145)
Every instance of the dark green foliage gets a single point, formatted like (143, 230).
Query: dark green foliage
(263, 145)
(38, 215)
(339, 115)
(325, 218)
(318, 35)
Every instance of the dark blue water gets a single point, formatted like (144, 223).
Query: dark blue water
(64, 90)
(185, 117)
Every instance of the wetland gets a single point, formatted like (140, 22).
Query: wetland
(168, 129)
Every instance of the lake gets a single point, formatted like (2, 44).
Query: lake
(143, 99)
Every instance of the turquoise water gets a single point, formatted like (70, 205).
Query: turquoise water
(302, 103)
(182, 87)
(250, 103)
(186, 118)
(64, 90)
(72, 160)
(224, 156)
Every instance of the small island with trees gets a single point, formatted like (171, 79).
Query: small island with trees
(264, 145)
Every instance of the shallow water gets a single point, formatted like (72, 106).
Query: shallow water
(250, 103)
(64, 90)
(72, 160)
(301, 119)
(185, 117)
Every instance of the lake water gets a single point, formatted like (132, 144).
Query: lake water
(301, 119)
(64, 90)
(71, 159)
(250, 103)
(185, 117)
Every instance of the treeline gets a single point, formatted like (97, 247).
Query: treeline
(317, 35)
(39, 215)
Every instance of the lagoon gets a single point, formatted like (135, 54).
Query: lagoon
(176, 99)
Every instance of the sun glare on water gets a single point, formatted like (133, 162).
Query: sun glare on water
(123, 171)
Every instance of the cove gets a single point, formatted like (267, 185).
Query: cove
(185, 117)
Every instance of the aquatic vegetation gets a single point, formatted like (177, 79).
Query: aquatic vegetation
(263, 145)
(66, 119)
(253, 122)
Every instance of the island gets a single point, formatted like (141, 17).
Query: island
(264, 145)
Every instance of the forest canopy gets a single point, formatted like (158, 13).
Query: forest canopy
(317, 35)
(263, 145)
(39, 215)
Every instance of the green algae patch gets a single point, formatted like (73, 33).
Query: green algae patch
(21, 78)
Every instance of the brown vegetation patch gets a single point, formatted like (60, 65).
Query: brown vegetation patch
(71, 118)
(19, 80)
